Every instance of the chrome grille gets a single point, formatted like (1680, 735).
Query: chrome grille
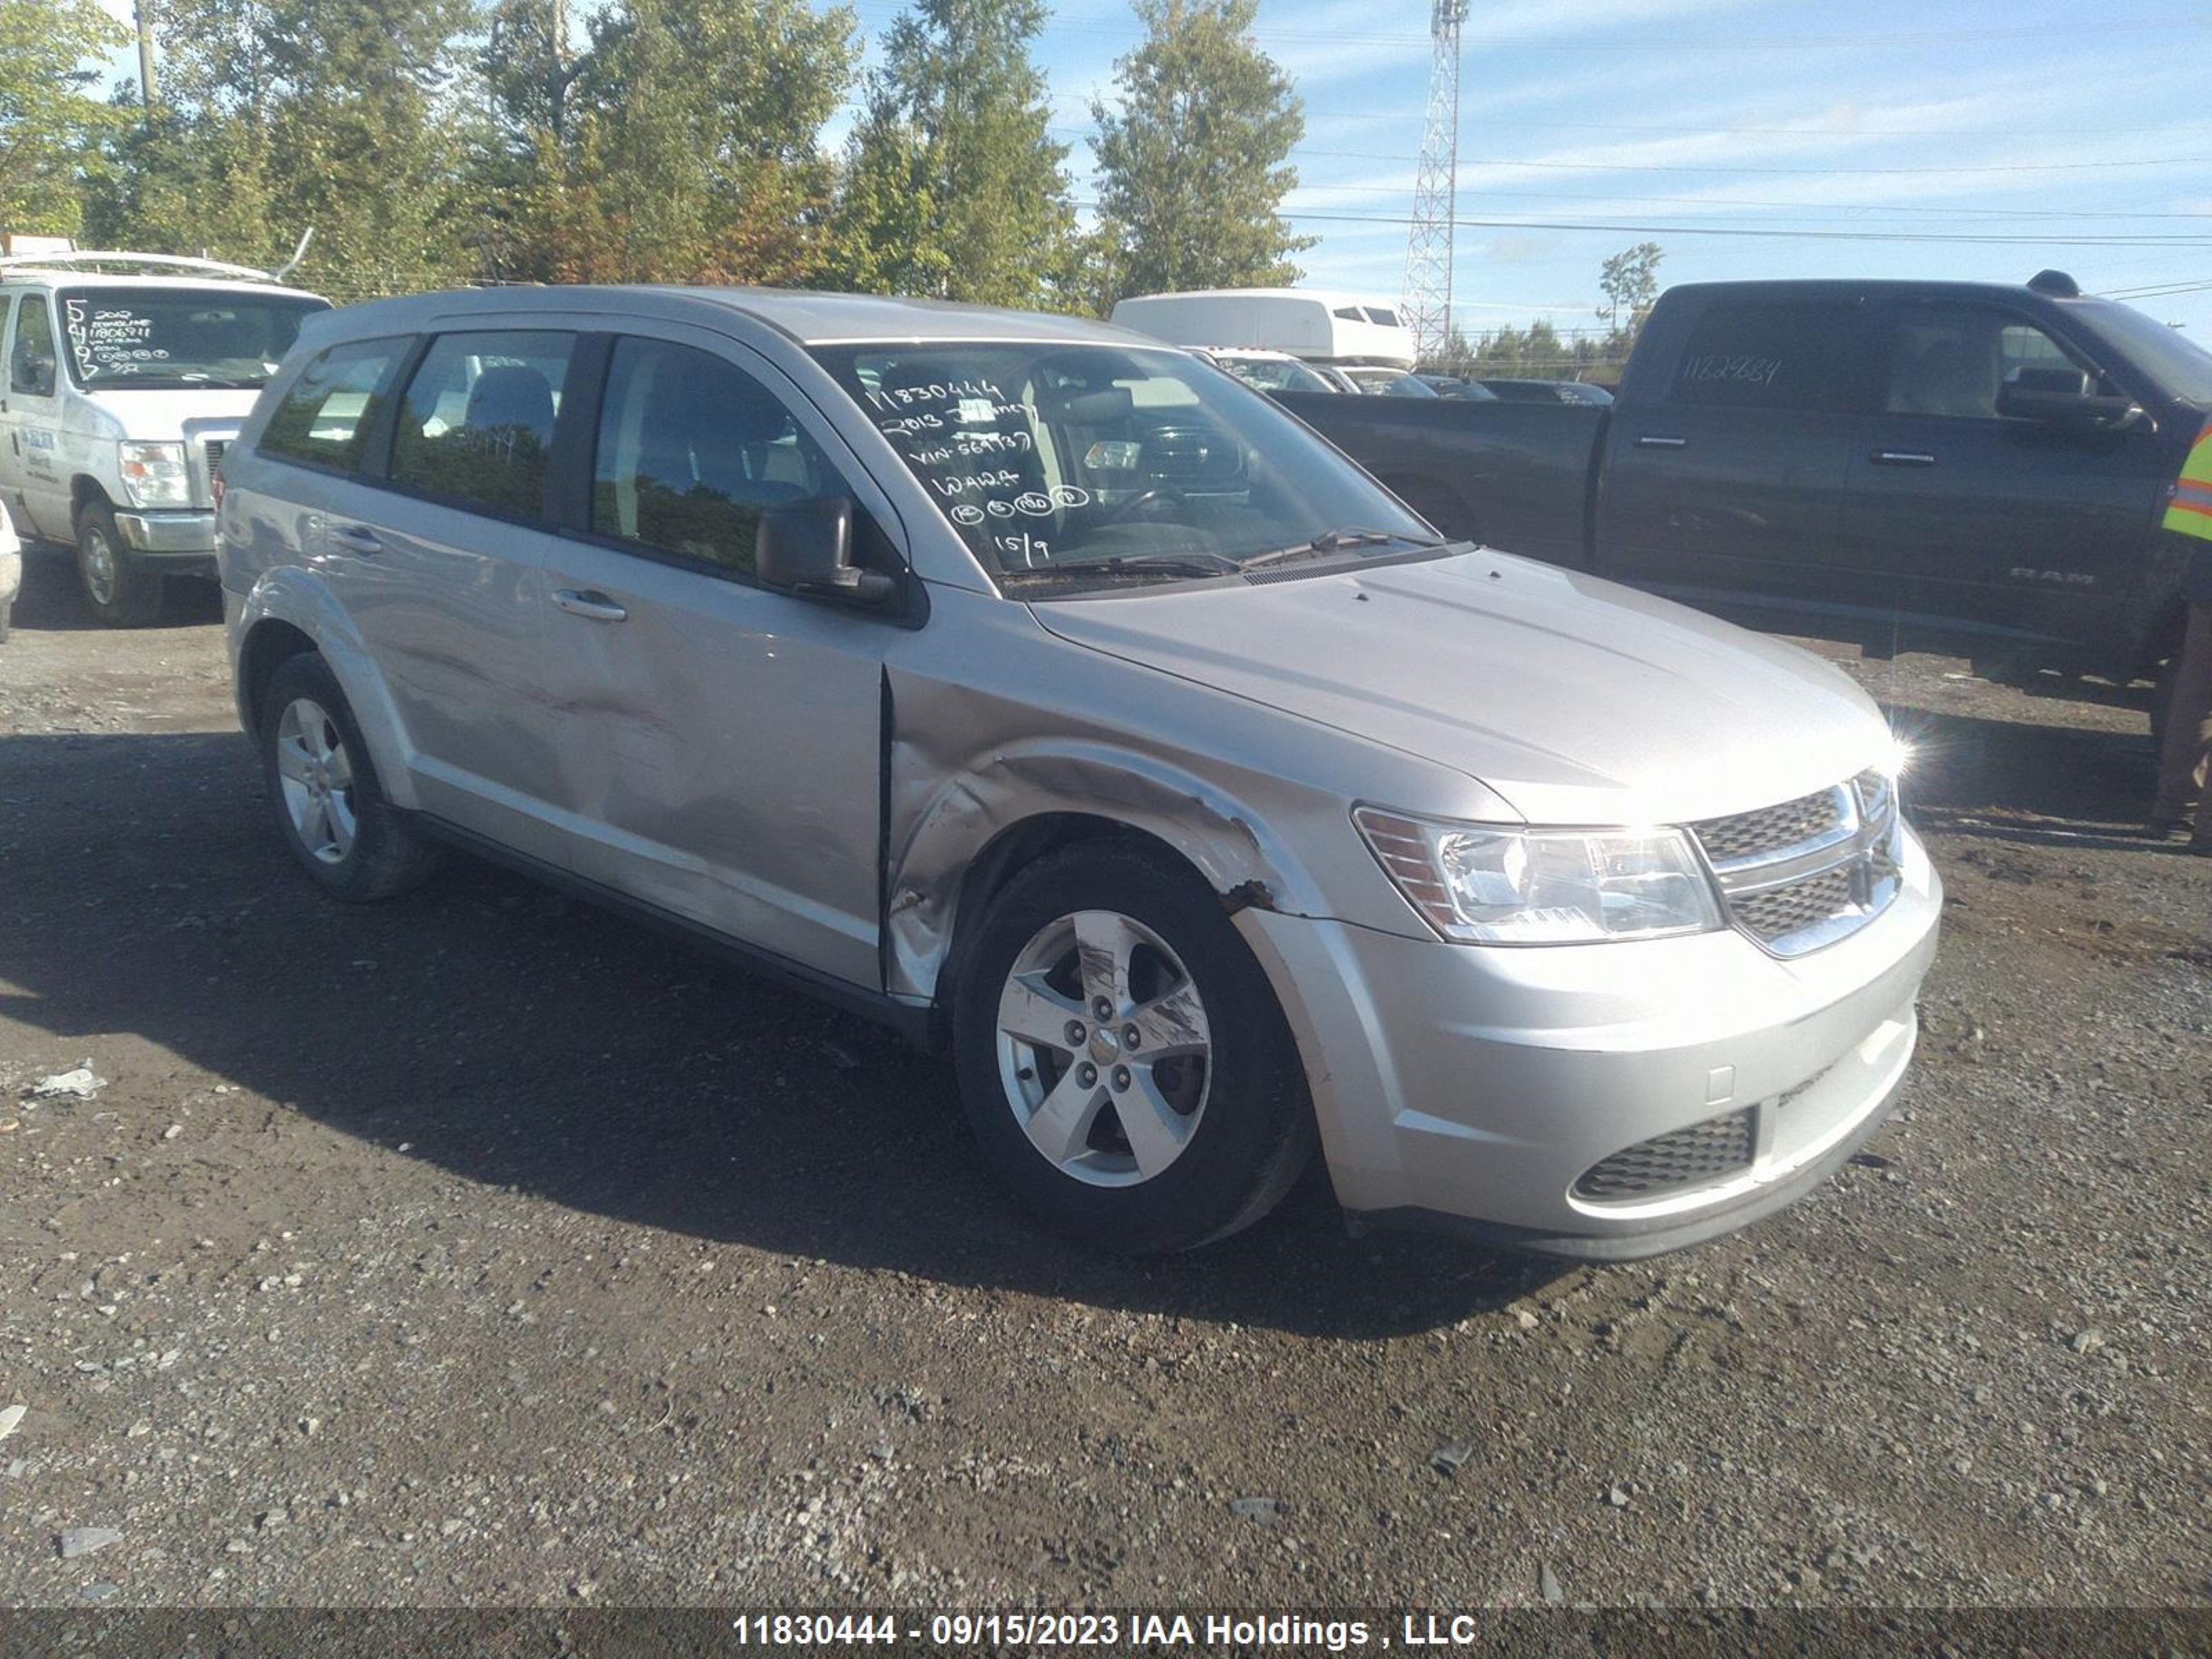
(1683, 1157)
(1812, 870)
(1761, 833)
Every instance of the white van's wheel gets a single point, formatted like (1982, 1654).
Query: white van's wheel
(330, 809)
(119, 593)
(1122, 1059)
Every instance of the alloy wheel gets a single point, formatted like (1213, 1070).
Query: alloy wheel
(1105, 1054)
(315, 776)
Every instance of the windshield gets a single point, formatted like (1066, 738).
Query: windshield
(171, 336)
(1059, 463)
(2180, 366)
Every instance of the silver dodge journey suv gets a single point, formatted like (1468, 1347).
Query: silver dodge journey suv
(1064, 704)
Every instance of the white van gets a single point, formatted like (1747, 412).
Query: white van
(1308, 323)
(126, 374)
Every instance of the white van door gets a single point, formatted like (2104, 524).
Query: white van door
(36, 482)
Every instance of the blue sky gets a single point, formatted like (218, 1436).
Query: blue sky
(2088, 135)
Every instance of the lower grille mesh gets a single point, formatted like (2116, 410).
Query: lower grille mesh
(1683, 1157)
(1783, 911)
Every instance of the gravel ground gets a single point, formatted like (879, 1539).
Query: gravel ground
(481, 1249)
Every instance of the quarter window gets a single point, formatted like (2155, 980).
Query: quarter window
(1768, 356)
(476, 423)
(327, 413)
(692, 450)
(31, 364)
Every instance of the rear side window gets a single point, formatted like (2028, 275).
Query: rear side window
(476, 422)
(692, 450)
(326, 414)
(1769, 357)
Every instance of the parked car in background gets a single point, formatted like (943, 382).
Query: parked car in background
(126, 375)
(1318, 326)
(1050, 696)
(1270, 371)
(1451, 386)
(11, 575)
(1388, 382)
(1544, 392)
(1965, 467)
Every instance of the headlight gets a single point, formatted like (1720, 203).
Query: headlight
(154, 474)
(1480, 884)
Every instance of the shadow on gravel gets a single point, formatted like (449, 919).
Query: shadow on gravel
(2097, 783)
(519, 1039)
(53, 602)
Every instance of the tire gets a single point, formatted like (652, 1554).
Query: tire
(7, 618)
(328, 808)
(1228, 1127)
(118, 592)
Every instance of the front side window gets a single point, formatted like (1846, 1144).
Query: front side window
(476, 422)
(1953, 361)
(31, 361)
(327, 413)
(1057, 463)
(1768, 356)
(179, 336)
(692, 450)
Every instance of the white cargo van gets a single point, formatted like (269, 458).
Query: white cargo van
(125, 376)
(1309, 322)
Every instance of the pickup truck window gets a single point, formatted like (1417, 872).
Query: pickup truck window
(1952, 359)
(2181, 368)
(1768, 356)
(1056, 461)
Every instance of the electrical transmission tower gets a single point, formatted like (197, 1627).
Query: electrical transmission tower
(1427, 302)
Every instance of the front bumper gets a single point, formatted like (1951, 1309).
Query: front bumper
(1473, 1087)
(184, 535)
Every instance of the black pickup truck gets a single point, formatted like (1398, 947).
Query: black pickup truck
(1916, 465)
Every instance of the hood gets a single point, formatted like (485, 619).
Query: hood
(182, 412)
(1576, 700)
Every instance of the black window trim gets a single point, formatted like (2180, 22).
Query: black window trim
(380, 402)
(376, 459)
(573, 522)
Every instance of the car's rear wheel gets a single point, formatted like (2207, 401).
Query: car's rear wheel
(120, 593)
(330, 809)
(1124, 1063)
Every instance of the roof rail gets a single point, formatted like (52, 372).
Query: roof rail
(81, 258)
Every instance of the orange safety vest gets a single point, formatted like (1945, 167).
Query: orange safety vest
(2190, 510)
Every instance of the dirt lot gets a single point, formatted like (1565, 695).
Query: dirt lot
(480, 1248)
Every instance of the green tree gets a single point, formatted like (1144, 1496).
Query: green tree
(953, 185)
(1194, 155)
(1630, 282)
(680, 145)
(50, 114)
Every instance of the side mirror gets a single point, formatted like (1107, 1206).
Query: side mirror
(2064, 397)
(806, 548)
(38, 376)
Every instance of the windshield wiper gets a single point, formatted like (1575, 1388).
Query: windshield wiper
(1328, 542)
(1134, 564)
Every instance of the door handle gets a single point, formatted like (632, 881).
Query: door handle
(1650, 442)
(592, 604)
(357, 538)
(1902, 458)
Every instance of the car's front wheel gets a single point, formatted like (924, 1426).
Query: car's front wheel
(330, 809)
(1124, 1063)
(120, 593)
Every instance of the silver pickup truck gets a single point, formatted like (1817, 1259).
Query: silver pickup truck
(1058, 700)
